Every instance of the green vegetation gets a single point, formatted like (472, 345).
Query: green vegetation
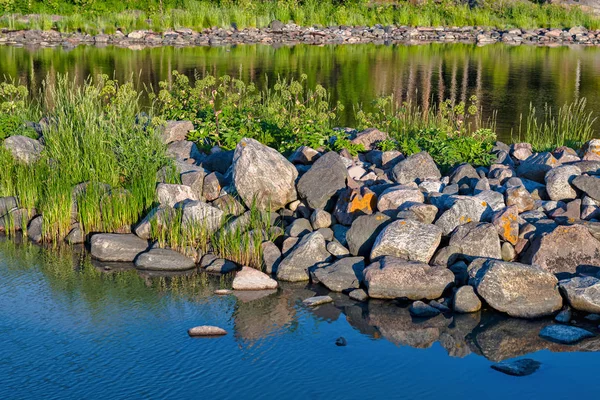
(97, 16)
(571, 125)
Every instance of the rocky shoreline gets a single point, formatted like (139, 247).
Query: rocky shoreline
(521, 236)
(288, 34)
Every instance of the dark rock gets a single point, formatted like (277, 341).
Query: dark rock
(564, 334)
(590, 185)
(363, 232)
(521, 367)
(117, 247)
(163, 260)
(421, 310)
(323, 180)
(344, 274)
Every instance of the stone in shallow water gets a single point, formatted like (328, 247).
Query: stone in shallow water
(521, 367)
(117, 247)
(421, 310)
(206, 330)
(564, 334)
(340, 342)
(359, 295)
(223, 292)
(251, 279)
(164, 260)
(583, 293)
(317, 301)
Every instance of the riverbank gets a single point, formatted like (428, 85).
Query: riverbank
(290, 34)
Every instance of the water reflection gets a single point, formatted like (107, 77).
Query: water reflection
(504, 78)
(260, 317)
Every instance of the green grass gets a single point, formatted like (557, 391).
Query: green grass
(97, 16)
(570, 125)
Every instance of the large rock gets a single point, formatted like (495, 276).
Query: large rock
(463, 211)
(201, 216)
(163, 260)
(536, 166)
(477, 240)
(309, 252)
(407, 239)
(363, 232)
(171, 194)
(520, 290)
(175, 131)
(323, 180)
(564, 249)
(519, 196)
(558, 182)
(582, 293)
(252, 279)
(393, 198)
(419, 166)
(262, 176)
(590, 185)
(159, 217)
(344, 274)
(24, 149)
(393, 277)
(117, 247)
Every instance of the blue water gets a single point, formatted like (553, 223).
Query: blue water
(70, 331)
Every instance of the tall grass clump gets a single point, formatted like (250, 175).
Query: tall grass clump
(96, 138)
(569, 125)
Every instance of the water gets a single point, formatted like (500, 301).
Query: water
(70, 328)
(506, 79)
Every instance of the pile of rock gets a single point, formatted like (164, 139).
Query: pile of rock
(386, 226)
(280, 33)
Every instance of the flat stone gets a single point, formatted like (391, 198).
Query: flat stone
(523, 367)
(252, 279)
(163, 260)
(117, 247)
(206, 330)
(317, 301)
(421, 310)
(564, 334)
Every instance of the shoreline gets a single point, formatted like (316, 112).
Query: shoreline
(291, 34)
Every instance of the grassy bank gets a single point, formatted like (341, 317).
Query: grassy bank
(102, 149)
(108, 16)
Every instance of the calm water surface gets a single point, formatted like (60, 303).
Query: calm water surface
(69, 329)
(506, 79)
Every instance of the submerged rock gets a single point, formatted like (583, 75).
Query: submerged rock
(521, 367)
(117, 247)
(262, 176)
(564, 334)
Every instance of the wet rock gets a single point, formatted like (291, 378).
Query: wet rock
(262, 176)
(310, 251)
(582, 293)
(23, 149)
(323, 180)
(477, 240)
(392, 277)
(394, 197)
(419, 309)
(564, 334)
(407, 239)
(317, 301)
(171, 194)
(564, 249)
(564, 317)
(163, 260)
(466, 301)
(342, 275)
(363, 232)
(521, 367)
(558, 182)
(117, 247)
(419, 166)
(520, 290)
(340, 342)
(206, 331)
(34, 230)
(252, 279)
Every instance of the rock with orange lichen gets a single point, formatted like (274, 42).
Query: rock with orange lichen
(463, 210)
(354, 202)
(506, 224)
(477, 240)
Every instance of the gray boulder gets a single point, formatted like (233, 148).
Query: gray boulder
(34, 230)
(171, 194)
(323, 180)
(117, 247)
(309, 252)
(419, 166)
(200, 216)
(262, 176)
(558, 182)
(392, 277)
(463, 211)
(24, 149)
(520, 290)
(590, 185)
(407, 239)
(271, 257)
(391, 199)
(582, 293)
(363, 232)
(477, 240)
(344, 274)
(184, 150)
(369, 138)
(163, 260)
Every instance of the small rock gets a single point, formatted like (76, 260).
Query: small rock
(521, 367)
(421, 310)
(206, 330)
(340, 342)
(564, 334)
(317, 301)
(466, 301)
(252, 279)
